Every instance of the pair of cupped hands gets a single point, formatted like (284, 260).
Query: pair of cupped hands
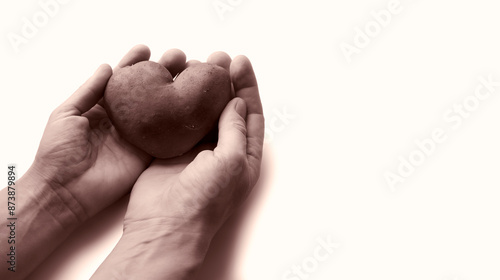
(86, 162)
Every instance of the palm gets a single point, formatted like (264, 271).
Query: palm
(87, 150)
(181, 188)
(117, 163)
(152, 191)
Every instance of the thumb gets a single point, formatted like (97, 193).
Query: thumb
(232, 128)
(89, 93)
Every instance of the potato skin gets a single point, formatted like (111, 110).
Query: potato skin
(162, 117)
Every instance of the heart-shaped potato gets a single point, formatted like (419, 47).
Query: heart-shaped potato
(162, 116)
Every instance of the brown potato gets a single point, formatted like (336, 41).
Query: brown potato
(163, 117)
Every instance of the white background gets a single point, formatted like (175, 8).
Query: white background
(324, 167)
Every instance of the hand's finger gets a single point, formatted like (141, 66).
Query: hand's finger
(220, 58)
(174, 60)
(245, 86)
(88, 94)
(255, 142)
(232, 129)
(192, 62)
(245, 83)
(136, 54)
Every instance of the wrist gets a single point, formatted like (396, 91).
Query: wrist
(40, 223)
(180, 244)
(156, 249)
(52, 199)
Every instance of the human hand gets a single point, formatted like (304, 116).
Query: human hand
(82, 165)
(81, 157)
(176, 193)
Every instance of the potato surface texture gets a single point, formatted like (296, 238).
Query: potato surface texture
(163, 117)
